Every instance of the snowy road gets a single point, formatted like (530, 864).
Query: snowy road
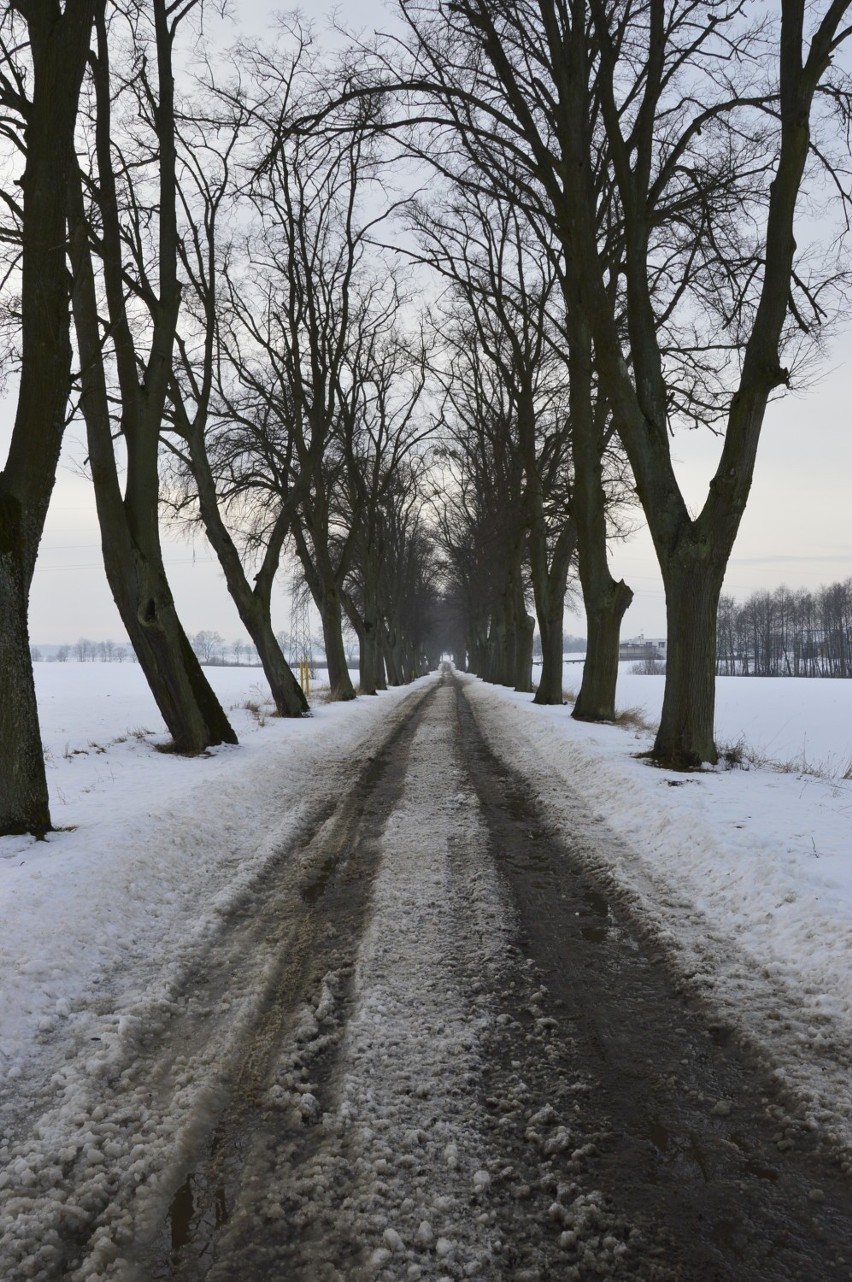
(425, 1044)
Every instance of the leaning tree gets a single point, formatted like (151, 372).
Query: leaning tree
(43, 52)
(125, 263)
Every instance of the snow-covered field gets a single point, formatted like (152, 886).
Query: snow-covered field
(746, 874)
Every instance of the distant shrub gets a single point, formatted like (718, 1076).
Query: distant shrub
(649, 668)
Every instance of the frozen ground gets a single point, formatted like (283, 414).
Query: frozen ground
(746, 874)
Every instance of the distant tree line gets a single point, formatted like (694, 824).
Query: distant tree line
(787, 633)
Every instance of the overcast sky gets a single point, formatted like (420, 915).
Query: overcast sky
(797, 529)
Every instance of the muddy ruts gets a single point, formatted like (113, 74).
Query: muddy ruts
(688, 1137)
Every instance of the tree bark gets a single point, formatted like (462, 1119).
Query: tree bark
(24, 805)
(693, 585)
(523, 652)
(604, 599)
(550, 686)
(549, 586)
(605, 606)
(323, 581)
(340, 683)
(59, 44)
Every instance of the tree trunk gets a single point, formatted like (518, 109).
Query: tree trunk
(523, 652)
(685, 737)
(549, 586)
(605, 607)
(550, 684)
(130, 538)
(253, 604)
(605, 600)
(24, 803)
(287, 694)
(392, 655)
(370, 678)
(192, 713)
(339, 681)
(59, 44)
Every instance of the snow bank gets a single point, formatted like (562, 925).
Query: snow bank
(153, 848)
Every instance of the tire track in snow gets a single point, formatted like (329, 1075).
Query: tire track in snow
(388, 1175)
(93, 1179)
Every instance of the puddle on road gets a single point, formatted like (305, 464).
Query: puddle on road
(199, 1209)
(196, 1213)
(598, 908)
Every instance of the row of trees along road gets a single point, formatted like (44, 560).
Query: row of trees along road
(225, 311)
(658, 151)
(608, 228)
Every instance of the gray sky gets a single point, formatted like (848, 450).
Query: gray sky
(797, 529)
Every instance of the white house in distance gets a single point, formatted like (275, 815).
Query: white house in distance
(643, 647)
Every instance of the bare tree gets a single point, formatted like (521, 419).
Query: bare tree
(201, 409)
(308, 304)
(131, 190)
(687, 129)
(41, 73)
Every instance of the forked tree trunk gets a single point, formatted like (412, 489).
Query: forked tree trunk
(129, 521)
(685, 737)
(605, 600)
(253, 603)
(549, 586)
(130, 538)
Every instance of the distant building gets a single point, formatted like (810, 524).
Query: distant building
(643, 647)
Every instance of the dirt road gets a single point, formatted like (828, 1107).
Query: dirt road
(429, 1046)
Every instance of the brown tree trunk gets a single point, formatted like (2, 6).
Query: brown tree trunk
(340, 683)
(523, 652)
(371, 675)
(287, 694)
(693, 586)
(192, 713)
(550, 686)
(392, 655)
(549, 586)
(23, 784)
(253, 603)
(605, 600)
(605, 607)
(59, 44)
(130, 537)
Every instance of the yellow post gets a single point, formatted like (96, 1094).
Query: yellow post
(305, 677)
